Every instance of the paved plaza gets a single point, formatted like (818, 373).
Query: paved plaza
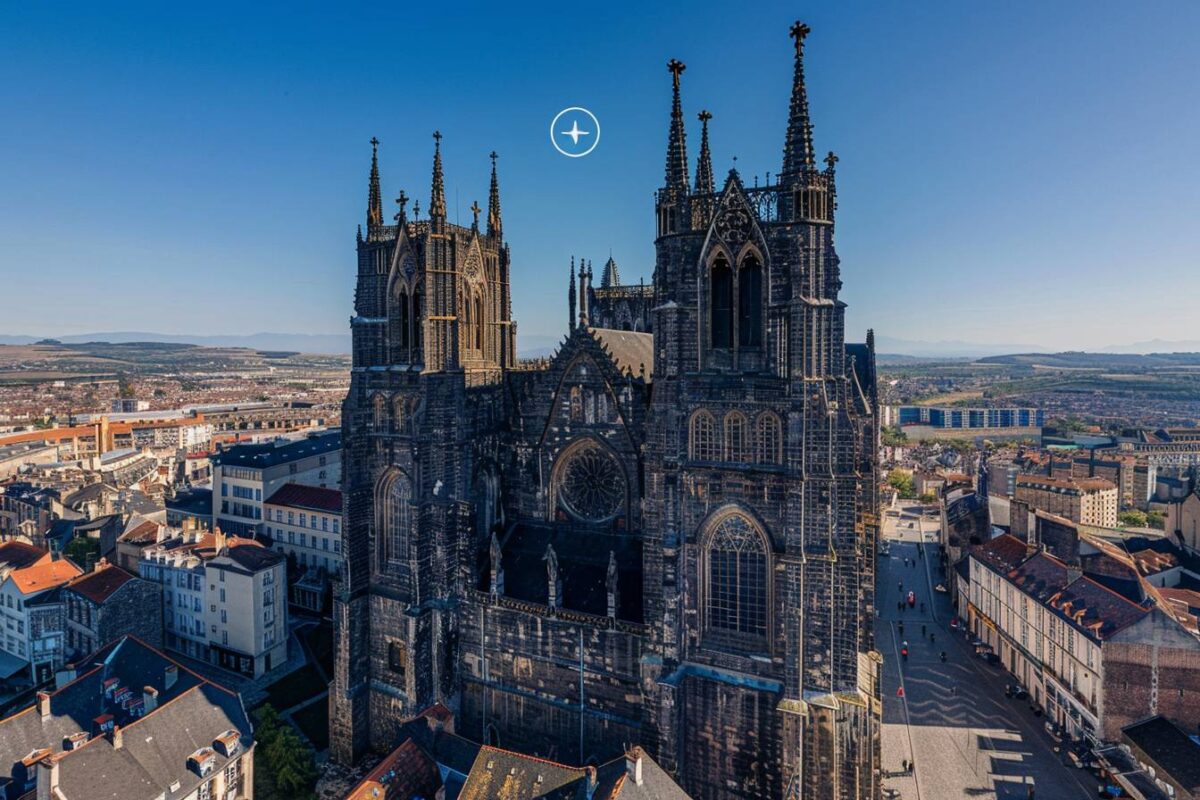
(953, 720)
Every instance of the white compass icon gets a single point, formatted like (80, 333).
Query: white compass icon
(575, 132)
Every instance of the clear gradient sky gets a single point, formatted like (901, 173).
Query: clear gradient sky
(1021, 172)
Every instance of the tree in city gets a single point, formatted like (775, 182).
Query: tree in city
(1132, 519)
(83, 551)
(902, 482)
(1157, 519)
(928, 498)
(284, 768)
(893, 436)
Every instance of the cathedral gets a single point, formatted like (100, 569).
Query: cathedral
(663, 535)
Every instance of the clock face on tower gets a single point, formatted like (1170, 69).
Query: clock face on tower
(592, 484)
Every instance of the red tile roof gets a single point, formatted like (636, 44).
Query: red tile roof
(1003, 553)
(43, 576)
(315, 498)
(100, 584)
(404, 773)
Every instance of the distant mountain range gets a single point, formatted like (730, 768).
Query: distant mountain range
(533, 345)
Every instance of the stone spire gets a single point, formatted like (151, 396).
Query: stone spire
(437, 201)
(374, 197)
(704, 171)
(611, 276)
(493, 218)
(798, 150)
(571, 299)
(677, 168)
(583, 294)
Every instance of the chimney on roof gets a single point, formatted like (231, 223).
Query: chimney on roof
(633, 765)
(170, 675)
(591, 780)
(101, 564)
(115, 737)
(149, 698)
(48, 774)
(43, 704)
(219, 540)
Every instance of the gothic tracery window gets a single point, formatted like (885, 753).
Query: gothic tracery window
(735, 437)
(703, 437)
(590, 483)
(736, 603)
(750, 302)
(721, 298)
(576, 404)
(380, 416)
(769, 439)
(394, 518)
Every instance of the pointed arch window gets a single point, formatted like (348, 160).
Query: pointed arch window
(417, 317)
(769, 439)
(703, 437)
(402, 322)
(394, 510)
(380, 416)
(750, 299)
(737, 586)
(478, 320)
(721, 298)
(736, 437)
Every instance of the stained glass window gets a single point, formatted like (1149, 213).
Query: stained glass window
(769, 439)
(394, 504)
(737, 584)
(735, 437)
(721, 297)
(704, 437)
(591, 483)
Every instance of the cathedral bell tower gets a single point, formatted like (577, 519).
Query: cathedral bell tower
(753, 557)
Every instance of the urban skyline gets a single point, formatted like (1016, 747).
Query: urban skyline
(967, 121)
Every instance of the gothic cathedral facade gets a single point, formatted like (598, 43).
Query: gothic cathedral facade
(662, 535)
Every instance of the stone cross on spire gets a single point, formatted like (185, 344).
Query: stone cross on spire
(401, 201)
(798, 149)
(677, 168)
(374, 197)
(494, 227)
(475, 209)
(437, 201)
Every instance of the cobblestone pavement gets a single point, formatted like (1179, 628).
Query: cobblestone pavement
(953, 720)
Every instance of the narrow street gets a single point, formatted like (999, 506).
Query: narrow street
(953, 720)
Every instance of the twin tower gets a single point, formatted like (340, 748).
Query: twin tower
(664, 538)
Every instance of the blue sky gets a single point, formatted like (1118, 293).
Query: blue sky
(1021, 172)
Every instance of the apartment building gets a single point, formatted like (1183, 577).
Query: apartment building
(246, 474)
(31, 609)
(1088, 501)
(1085, 652)
(304, 523)
(133, 724)
(108, 603)
(224, 599)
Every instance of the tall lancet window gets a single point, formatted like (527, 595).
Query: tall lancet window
(417, 315)
(721, 295)
(403, 323)
(737, 577)
(478, 323)
(750, 302)
(394, 517)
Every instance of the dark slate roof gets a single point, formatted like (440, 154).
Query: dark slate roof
(18, 555)
(1172, 750)
(98, 523)
(314, 498)
(250, 556)
(1041, 576)
(93, 491)
(260, 456)
(501, 774)
(196, 502)
(582, 567)
(1097, 611)
(629, 350)
(190, 714)
(614, 781)
(99, 584)
(1003, 553)
(62, 530)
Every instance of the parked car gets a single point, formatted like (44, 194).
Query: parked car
(990, 658)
